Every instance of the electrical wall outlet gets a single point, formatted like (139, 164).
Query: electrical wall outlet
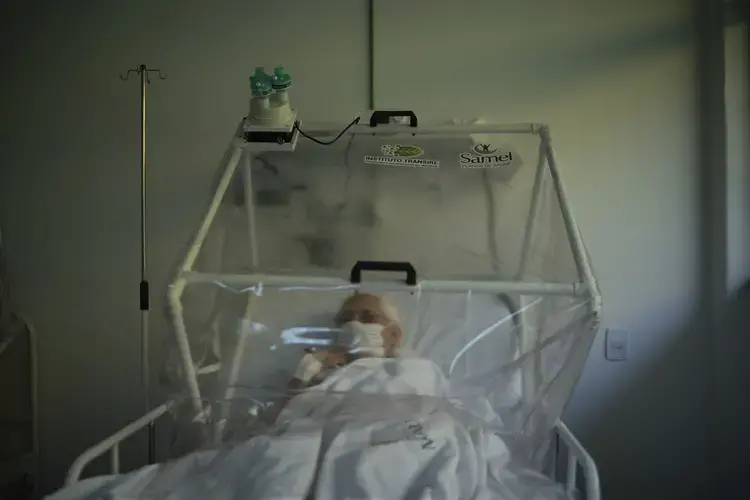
(616, 345)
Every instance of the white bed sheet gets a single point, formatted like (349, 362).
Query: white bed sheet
(400, 448)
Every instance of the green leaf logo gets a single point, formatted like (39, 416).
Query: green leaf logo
(401, 150)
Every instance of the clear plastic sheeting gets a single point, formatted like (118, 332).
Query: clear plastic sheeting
(476, 341)
(460, 208)
(410, 294)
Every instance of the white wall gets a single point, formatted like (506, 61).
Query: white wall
(738, 156)
(615, 80)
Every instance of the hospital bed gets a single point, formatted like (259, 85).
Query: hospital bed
(467, 228)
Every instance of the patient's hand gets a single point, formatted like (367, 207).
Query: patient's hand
(335, 357)
(315, 363)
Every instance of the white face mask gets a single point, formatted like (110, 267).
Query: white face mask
(368, 337)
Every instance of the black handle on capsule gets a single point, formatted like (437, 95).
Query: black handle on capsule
(383, 117)
(385, 266)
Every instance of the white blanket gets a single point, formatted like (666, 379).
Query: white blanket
(376, 429)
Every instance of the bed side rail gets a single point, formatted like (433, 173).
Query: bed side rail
(571, 455)
(574, 456)
(112, 445)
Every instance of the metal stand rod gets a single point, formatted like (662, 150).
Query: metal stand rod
(144, 290)
(144, 293)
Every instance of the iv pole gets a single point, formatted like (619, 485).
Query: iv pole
(143, 72)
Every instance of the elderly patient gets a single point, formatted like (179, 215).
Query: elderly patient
(373, 323)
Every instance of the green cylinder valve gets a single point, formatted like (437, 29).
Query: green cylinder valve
(260, 82)
(281, 78)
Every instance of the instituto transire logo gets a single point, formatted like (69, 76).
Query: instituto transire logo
(403, 155)
(401, 150)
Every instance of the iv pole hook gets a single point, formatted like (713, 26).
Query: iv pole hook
(143, 70)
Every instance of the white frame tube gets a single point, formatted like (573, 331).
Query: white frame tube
(213, 207)
(531, 220)
(571, 226)
(257, 282)
(529, 336)
(247, 184)
(178, 286)
(320, 130)
(243, 335)
(530, 377)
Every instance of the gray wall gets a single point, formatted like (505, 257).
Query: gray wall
(615, 80)
(733, 333)
(738, 156)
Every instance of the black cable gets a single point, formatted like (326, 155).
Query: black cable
(327, 143)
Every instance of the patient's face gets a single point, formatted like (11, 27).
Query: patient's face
(366, 308)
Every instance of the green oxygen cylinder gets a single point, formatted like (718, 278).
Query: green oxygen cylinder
(280, 82)
(260, 83)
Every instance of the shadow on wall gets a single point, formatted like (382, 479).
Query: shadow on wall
(553, 63)
(528, 70)
(674, 388)
(666, 391)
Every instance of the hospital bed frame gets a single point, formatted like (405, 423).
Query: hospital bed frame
(24, 467)
(570, 463)
(240, 162)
